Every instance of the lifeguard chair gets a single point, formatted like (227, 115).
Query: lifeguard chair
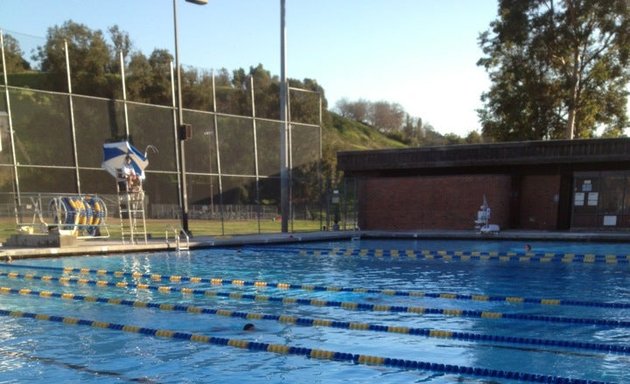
(131, 210)
(127, 164)
(482, 221)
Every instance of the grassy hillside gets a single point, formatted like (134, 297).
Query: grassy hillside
(341, 134)
(350, 135)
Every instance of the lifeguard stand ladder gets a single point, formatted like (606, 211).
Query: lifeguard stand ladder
(132, 219)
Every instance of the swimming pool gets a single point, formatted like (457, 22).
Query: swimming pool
(363, 311)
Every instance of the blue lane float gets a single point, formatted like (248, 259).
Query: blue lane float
(315, 322)
(320, 354)
(310, 287)
(351, 306)
(448, 255)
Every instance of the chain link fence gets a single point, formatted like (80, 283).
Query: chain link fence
(232, 162)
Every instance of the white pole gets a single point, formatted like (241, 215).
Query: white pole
(284, 158)
(72, 124)
(124, 91)
(180, 121)
(218, 152)
(16, 179)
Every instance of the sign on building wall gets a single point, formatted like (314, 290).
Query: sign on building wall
(610, 220)
(586, 195)
(579, 199)
(593, 197)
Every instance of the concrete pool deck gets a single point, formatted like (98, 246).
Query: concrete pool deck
(108, 246)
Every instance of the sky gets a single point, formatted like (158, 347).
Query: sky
(420, 54)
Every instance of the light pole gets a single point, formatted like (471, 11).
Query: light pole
(284, 139)
(184, 130)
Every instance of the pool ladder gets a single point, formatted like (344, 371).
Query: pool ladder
(177, 232)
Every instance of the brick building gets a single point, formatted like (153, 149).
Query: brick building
(543, 185)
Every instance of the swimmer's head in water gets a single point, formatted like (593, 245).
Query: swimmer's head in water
(249, 327)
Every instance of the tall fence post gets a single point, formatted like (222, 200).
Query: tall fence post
(16, 179)
(251, 85)
(216, 140)
(320, 183)
(175, 133)
(124, 92)
(290, 160)
(72, 124)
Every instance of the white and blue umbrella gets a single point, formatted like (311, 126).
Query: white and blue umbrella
(114, 155)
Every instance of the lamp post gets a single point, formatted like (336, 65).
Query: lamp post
(284, 135)
(184, 130)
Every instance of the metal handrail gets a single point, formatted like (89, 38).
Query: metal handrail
(177, 234)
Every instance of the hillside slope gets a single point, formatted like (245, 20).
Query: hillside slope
(341, 134)
(347, 135)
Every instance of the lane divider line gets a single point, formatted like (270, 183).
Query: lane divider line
(318, 322)
(324, 303)
(309, 287)
(447, 255)
(319, 354)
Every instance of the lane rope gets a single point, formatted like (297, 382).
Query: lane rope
(447, 255)
(311, 287)
(318, 322)
(351, 306)
(319, 354)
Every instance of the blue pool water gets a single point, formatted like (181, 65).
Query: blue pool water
(37, 350)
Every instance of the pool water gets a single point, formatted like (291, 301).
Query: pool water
(38, 350)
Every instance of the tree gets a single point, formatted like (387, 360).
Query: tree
(357, 110)
(120, 43)
(14, 56)
(159, 89)
(240, 100)
(266, 92)
(304, 103)
(89, 57)
(452, 139)
(387, 117)
(223, 84)
(559, 69)
(139, 78)
(197, 89)
(474, 138)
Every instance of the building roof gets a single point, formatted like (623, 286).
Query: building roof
(591, 154)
